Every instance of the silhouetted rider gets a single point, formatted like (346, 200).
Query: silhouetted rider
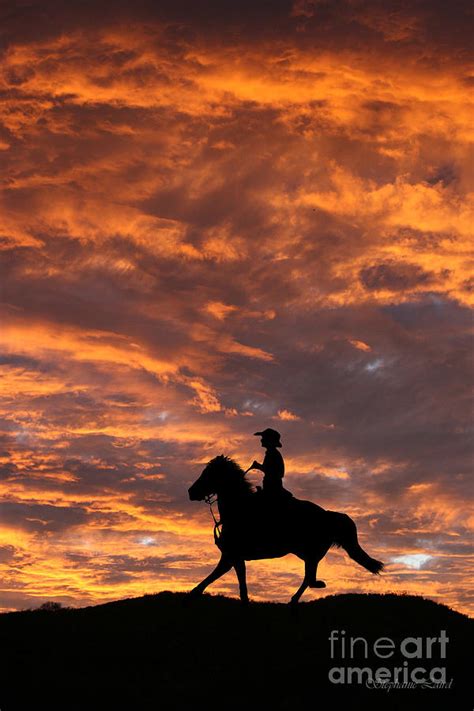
(273, 466)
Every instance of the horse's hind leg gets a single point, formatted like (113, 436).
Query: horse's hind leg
(223, 566)
(311, 562)
(295, 599)
(309, 580)
(239, 566)
(309, 577)
(314, 582)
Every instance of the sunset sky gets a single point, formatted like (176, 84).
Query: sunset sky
(218, 217)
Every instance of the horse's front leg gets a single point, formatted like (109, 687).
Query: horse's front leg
(239, 566)
(223, 567)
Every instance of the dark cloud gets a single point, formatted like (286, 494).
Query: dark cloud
(41, 517)
(396, 277)
(7, 554)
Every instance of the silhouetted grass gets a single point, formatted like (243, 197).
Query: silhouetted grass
(166, 652)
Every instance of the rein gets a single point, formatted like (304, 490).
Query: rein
(211, 499)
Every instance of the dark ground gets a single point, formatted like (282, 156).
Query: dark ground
(166, 652)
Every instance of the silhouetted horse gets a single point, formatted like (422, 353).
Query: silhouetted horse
(255, 525)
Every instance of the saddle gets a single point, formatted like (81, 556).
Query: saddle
(276, 495)
(272, 507)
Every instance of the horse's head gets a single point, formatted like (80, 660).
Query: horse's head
(220, 473)
(208, 482)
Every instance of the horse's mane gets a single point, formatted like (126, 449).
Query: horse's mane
(235, 469)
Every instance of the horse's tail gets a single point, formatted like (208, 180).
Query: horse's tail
(345, 536)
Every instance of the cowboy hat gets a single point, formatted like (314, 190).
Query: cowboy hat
(270, 434)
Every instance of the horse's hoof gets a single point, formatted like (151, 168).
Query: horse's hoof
(318, 584)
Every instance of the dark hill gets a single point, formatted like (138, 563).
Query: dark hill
(166, 652)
